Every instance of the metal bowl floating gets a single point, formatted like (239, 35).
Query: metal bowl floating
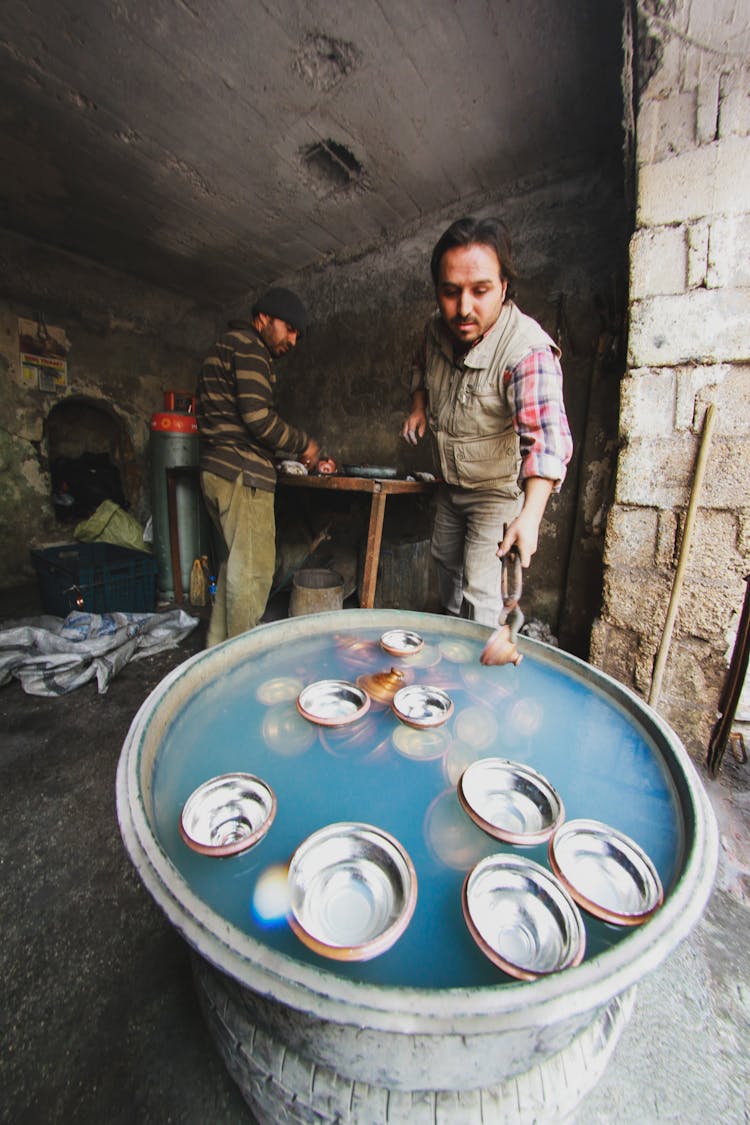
(227, 814)
(422, 706)
(332, 703)
(402, 642)
(352, 891)
(522, 918)
(510, 801)
(606, 872)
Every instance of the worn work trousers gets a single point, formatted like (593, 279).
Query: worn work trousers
(468, 527)
(245, 517)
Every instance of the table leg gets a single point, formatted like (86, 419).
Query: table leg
(372, 554)
(174, 536)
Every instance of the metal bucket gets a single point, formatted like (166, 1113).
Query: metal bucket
(316, 591)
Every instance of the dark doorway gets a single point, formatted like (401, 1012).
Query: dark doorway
(91, 459)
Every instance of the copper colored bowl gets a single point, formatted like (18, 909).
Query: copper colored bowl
(382, 686)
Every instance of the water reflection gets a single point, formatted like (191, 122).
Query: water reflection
(420, 745)
(477, 727)
(491, 685)
(526, 716)
(363, 740)
(355, 653)
(458, 757)
(429, 657)
(451, 837)
(459, 652)
(270, 902)
(285, 732)
(279, 689)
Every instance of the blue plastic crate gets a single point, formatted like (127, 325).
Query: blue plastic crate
(95, 578)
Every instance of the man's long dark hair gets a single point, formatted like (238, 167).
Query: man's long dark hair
(484, 232)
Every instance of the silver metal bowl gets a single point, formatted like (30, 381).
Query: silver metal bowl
(402, 642)
(510, 801)
(522, 918)
(352, 891)
(332, 703)
(422, 706)
(227, 814)
(606, 872)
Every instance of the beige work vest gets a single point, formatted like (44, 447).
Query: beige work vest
(471, 423)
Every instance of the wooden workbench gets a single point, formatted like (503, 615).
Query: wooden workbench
(379, 491)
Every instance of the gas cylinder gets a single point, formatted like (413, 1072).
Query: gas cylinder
(174, 445)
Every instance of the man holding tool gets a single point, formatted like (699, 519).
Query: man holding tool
(488, 385)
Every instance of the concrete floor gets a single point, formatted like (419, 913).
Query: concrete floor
(99, 1020)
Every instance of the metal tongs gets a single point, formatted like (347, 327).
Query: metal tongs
(501, 647)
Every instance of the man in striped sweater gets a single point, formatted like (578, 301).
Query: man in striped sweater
(241, 435)
(487, 385)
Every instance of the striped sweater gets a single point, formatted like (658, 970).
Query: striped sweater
(239, 426)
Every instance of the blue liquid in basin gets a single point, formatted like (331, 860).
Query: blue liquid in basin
(404, 781)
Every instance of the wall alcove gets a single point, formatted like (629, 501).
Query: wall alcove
(90, 457)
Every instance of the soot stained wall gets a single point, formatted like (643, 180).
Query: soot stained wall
(129, 342)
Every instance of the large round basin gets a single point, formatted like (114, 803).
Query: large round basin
(430, 1030)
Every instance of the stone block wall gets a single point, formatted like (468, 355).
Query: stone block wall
(689, 346)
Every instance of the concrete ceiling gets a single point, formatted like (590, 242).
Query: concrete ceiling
(212, 148)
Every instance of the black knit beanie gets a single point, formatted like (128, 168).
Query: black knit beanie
(284, 305)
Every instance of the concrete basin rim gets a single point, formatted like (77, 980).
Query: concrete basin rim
(325, 995)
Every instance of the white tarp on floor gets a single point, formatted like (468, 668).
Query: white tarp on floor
(55, 655)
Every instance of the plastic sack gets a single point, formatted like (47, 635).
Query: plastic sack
(111, 524)
(199, 578)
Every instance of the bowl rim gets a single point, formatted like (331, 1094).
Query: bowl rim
(540, 875)
(540, 836)
(582, 825)
(247, 842)
(362, 951)
(340, 720)
(394, 649)
(422, 724)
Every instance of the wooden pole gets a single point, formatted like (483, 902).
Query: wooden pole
(687, 535)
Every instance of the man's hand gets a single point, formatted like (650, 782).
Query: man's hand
(415, 425)
(311, 454)
(523, 531)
